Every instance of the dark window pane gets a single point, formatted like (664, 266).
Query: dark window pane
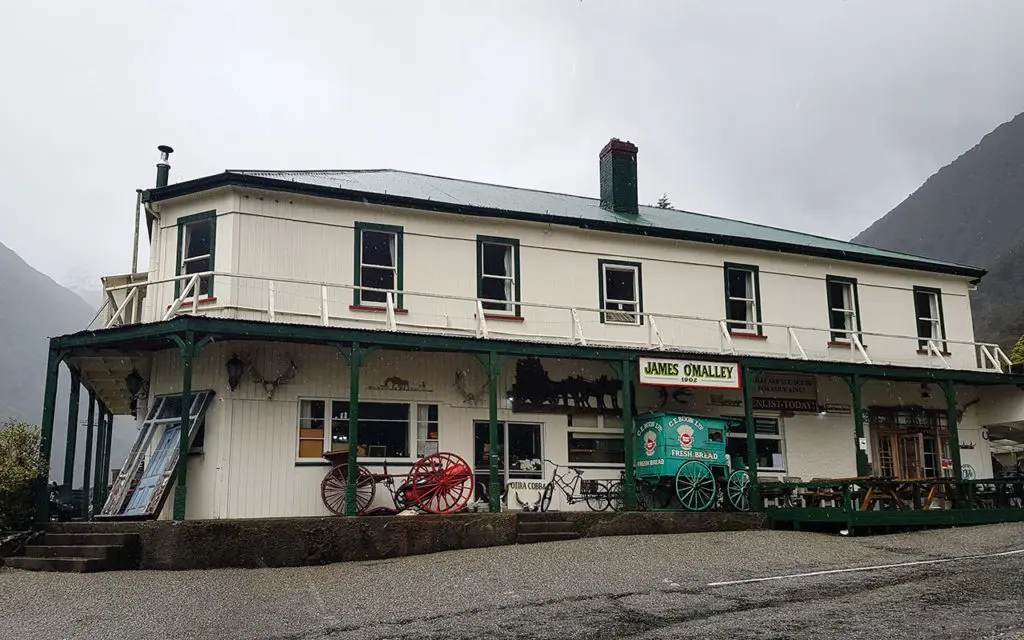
(587, 448)
(737, 450)
(495, 289)
(619, 284)
(924, 329)
(198, 235)
(171, 407)
(481, 439)
(921, 304)
(378, 247)
(762, 426)
(738, 284)
(377, 279)
(432, 412)
(837, 319)
(738, 311)
(383, 411)
(497, 259)
(197, 266)
(379, 438)
(835, 295)
(524, 451)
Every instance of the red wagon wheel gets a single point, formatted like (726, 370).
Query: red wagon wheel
(333, 487)
(441, 483)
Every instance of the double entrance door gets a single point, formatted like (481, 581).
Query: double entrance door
(904, 455)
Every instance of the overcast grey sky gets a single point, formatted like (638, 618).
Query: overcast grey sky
(817, 115)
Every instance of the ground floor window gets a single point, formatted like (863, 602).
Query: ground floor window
(386, 429)
(520, 452)
(768, 436)
(910, 443)
(596, 448)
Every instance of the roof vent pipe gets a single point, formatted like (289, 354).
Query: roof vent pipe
(163, 168)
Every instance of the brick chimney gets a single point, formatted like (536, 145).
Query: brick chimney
(618, 177)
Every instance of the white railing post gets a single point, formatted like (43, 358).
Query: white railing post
(860, 348)
(1000, 356)
(724, 327)
(119, 314)
(987, 358)
(271, 309)
(653, 334)
(481, 321)
(793, 339)
(173, 309)
(577, 329)
(323, 305)
(935, 351)
(390, 323)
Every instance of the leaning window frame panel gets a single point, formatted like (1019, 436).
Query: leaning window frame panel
(121, 501)
(183, 224)
(752, 302)
(603, 267)
(513, 306)
(938, 322)
(358, 295)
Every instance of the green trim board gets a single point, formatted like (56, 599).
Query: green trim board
(158, 335)
(357, 254)
(756, 282)
(601, 264)
(923, 344)
(184, 221)
(481, 240)
(834, 335)
(398, 189)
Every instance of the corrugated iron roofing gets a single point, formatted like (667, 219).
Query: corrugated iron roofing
(388, 182)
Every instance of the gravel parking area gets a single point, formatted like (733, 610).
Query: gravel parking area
(635, 587)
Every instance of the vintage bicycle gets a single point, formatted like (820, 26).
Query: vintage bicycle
(439, 483)
(597, 494)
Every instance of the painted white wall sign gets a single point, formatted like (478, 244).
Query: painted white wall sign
(689, 373)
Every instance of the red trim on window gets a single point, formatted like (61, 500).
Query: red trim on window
(925, 352)
(748, 336)
(488, 316)
(188, 303)
(843, 345)
(362, 307)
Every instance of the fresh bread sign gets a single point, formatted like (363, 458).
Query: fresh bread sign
(667, 372)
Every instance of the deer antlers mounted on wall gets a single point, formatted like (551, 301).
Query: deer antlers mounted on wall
(270, 386)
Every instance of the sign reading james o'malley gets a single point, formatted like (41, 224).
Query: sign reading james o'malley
(689, 373)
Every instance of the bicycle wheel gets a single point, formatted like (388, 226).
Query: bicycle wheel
(545, 499)
(615, 496)
(696, 486)
(597, 499)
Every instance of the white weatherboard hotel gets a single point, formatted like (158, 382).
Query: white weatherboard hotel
(275, 301)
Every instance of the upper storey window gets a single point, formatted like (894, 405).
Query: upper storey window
(378, 264)
(197, 236)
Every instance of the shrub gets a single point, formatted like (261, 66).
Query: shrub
(1017, 353)
(21, 467)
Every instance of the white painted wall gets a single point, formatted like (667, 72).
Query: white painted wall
(283, 236)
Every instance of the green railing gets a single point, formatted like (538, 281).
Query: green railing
(884, 501)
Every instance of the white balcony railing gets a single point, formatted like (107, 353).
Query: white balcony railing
(294, 301)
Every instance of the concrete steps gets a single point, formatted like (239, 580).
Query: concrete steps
(79, 552)
(544, 527)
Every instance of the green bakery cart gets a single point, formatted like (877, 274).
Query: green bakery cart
(682, 457)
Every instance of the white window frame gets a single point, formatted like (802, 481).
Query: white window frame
(412, 433)
(849, 311)
(748, 325)
(764, 436)
(366, 265)
(934, 320)
(509, 286)
(611, 314)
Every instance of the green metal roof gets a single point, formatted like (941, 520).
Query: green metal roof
(415, 190)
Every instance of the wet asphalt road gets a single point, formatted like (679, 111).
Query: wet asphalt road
(627, 587)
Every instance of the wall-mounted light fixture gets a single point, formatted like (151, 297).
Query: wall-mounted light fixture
(925, 393)
(133, 382)
(236, 369)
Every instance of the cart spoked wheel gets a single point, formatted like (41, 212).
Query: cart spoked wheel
(967, 472)
(695, 486)
(441, 483)
(737, 489)
(334, 484)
